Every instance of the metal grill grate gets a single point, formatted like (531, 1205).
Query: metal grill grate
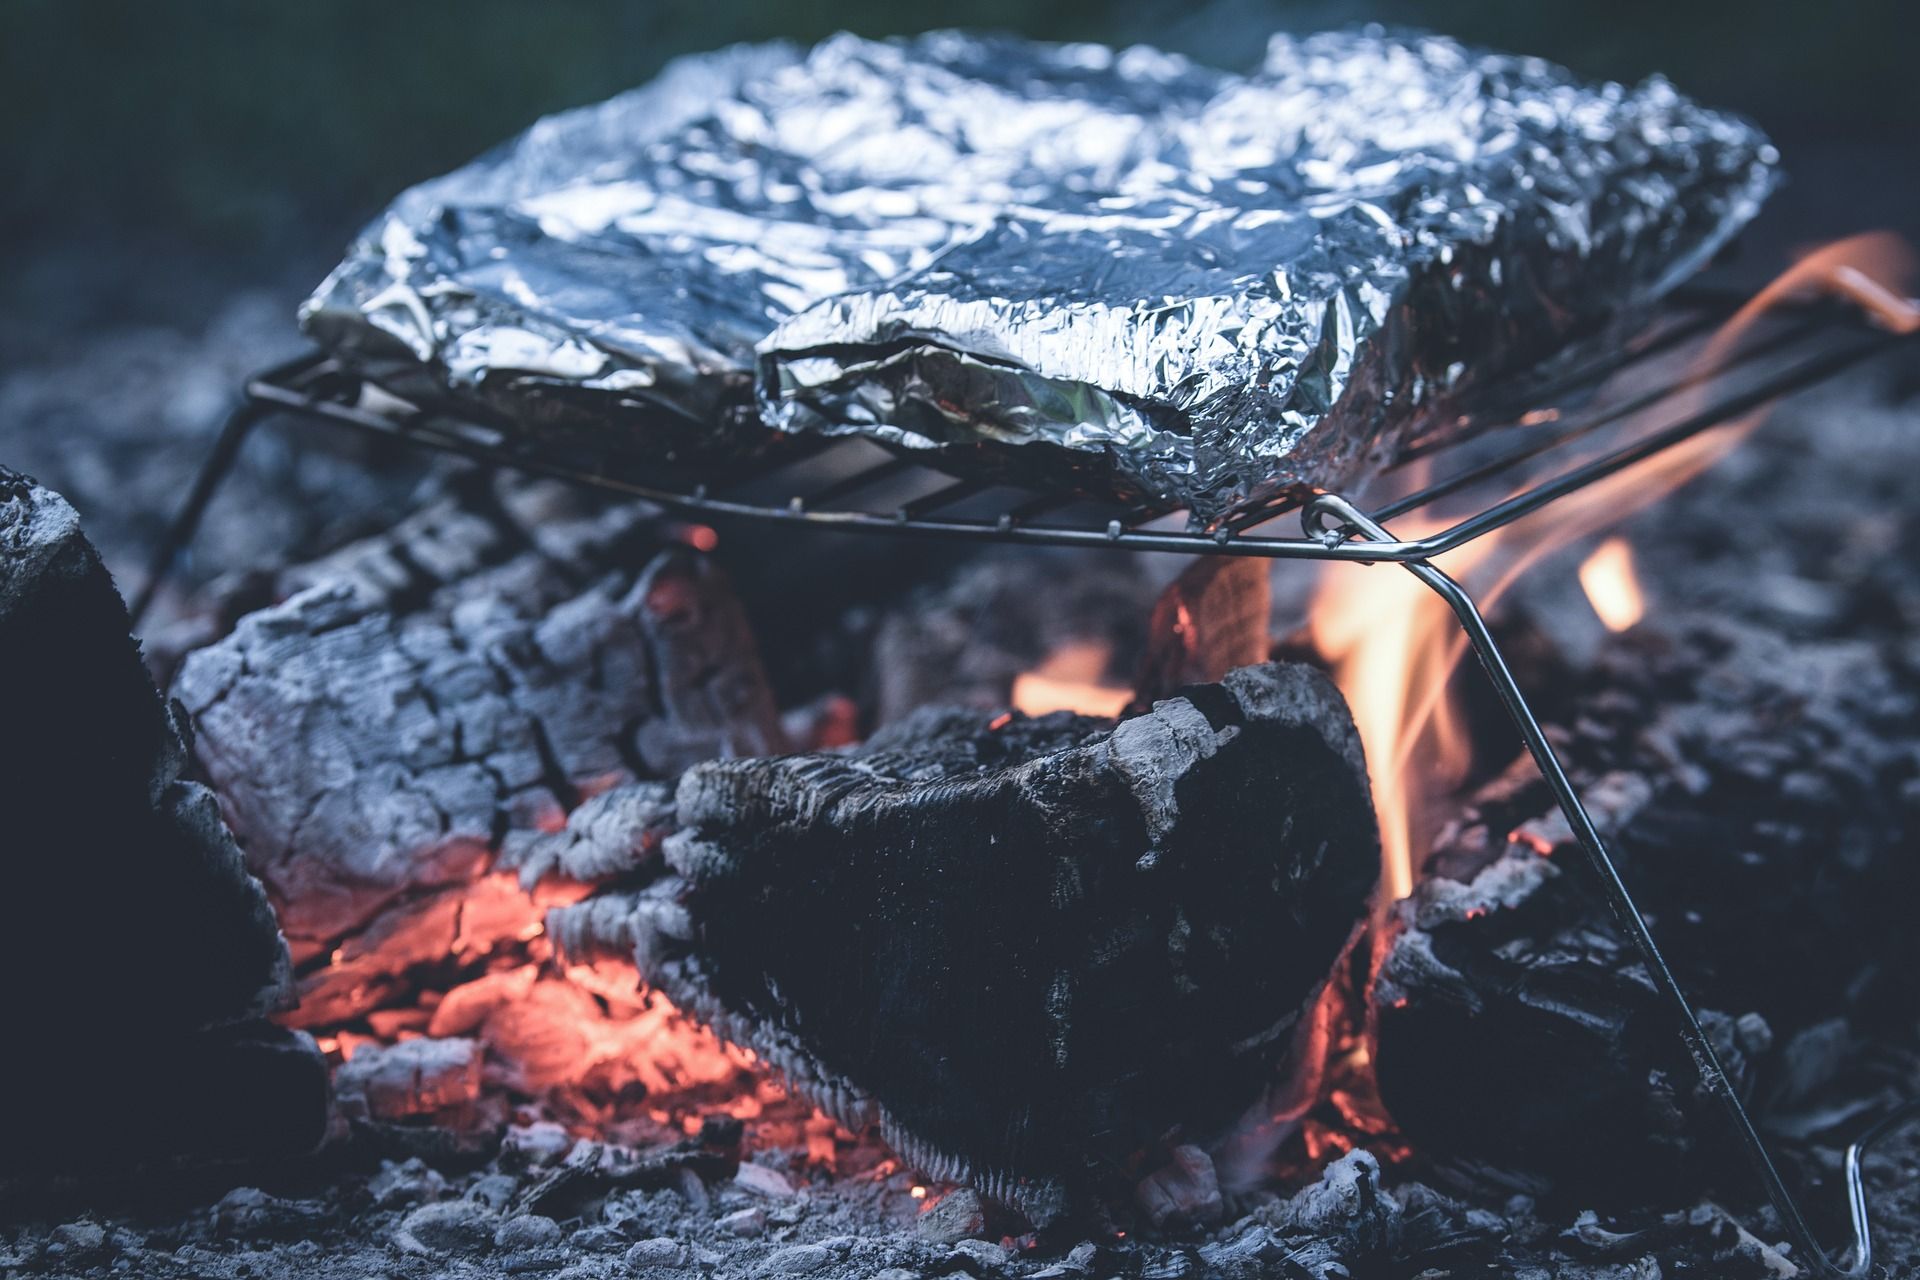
(1587, 423)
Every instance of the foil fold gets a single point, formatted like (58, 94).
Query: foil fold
(1066, 264)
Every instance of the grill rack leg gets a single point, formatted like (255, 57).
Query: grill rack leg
(1332, 516)
(214, 469)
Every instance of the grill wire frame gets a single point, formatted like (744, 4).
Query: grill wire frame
(1816, 343)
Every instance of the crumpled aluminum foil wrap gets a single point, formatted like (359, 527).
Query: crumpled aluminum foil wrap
(1066, 264)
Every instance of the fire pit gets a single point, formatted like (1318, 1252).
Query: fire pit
(642, 915)
(1699, 373)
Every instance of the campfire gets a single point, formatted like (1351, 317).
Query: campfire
(614, 865)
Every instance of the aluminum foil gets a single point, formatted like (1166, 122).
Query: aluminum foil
(1111, 269)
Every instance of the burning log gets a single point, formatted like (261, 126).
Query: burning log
(1753, 793)
(141, 957)
(374, 763)
(1026, 948)
(999, 629)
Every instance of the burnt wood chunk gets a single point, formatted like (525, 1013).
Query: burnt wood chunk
(1752, 793)
(1027, 948)
(375, 763)
(614, 833)
(140, 956)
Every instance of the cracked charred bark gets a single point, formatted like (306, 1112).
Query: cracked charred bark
(1759, 799)
(1027, 948)
(444, 692)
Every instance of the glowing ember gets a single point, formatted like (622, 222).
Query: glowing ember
(1071, 679)
(1612, 586)
(587, 1042)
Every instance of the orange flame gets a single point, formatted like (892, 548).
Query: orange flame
(1071, 679)
(1378, 630)
(1612, 584)
(1394, 645)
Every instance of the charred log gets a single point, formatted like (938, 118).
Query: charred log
(133, 929)
(1027, 948)
(375, 761)
(1753, 796)
(465, 533)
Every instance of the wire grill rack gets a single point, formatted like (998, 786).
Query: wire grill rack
(1674, 381)
(856, 486)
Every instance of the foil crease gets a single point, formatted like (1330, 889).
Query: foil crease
(1067, 264)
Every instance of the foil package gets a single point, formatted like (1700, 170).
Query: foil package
(1114, 270)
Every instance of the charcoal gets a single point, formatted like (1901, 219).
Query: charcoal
(1348, 1204)
(959, 1215)
(748, 1223)
(590, 1171)
(450, 1227)
(762, 1180)
(1026, 948)
(1184, 1191)
(143, 957)
(415, 1078)
(1750, 797)
(248, 1213)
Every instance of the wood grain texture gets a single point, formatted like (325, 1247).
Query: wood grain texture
(1027, 948)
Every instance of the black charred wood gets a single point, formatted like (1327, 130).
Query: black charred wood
(1517, 1030)
(1752, 793)
(1027, 948)
(140, 956)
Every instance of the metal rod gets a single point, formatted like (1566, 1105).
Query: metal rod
(424, 433)
(1713, 1076)
(186, 521)
(1545, 441)
(1855, 1175)
(1804, 375)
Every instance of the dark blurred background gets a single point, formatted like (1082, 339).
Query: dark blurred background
(177, 174)
(264, 127)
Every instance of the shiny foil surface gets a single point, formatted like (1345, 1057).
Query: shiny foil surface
(1114, 270)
